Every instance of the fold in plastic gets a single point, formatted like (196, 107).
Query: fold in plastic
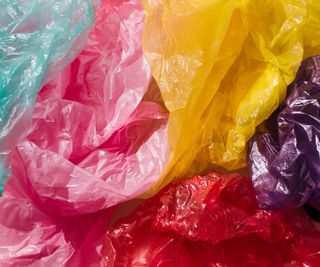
(98, 137)
(223, 67)
(37, 40)
(93, 121)
(211, 220)
(285, 163)
(34, 235)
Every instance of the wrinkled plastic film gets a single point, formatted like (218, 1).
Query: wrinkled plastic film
(36, 235)
(98, 138)
(284, 163)
(211, 220)
(34, 46)
(218, 87)
(122, 152)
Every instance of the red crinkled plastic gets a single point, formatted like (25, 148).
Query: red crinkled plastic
(211, 220)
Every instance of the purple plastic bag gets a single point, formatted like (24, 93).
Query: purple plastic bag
(285, 163)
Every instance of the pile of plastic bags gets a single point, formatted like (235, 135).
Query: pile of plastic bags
(102, 102)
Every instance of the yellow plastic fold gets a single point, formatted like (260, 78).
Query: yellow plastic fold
(223, 67)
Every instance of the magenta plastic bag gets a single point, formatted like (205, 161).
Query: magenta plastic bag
(285, 163)
(211, 220)
(96, 140)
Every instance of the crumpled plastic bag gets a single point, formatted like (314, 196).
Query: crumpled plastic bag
(211, 220)
(37, 40)
(223, 67)
(33, 234)
(98, 137)
(92, 131)
(285, 163)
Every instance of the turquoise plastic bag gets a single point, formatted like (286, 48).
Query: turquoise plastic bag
(37, 40)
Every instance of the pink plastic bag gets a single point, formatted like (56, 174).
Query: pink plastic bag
(93, 137)
(32, 235)
(95, 142)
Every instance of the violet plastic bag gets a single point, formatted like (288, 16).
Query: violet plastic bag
(37, 40)
(211, 220)
(97, 139)
(285, 163)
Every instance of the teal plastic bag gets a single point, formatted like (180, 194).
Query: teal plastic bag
(37, 40)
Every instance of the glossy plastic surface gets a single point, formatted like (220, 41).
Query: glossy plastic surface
(98, 137)
(92, 130)
(211, 220)
(37, 40)
(33, 234)
(285, 163)
(223, 67)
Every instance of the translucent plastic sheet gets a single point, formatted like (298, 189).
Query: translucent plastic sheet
(223, 67)
(33, 234)
(97, 139)
(94, 121)
(211, 220)
(285, 163)
(37, 40)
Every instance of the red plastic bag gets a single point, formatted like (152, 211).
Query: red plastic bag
(211, 220)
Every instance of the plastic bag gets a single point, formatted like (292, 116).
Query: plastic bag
(97, 139)
(34, 46)
(211, 220)
(92, 131)
(222, 67)
(285, 162)
(33, 234)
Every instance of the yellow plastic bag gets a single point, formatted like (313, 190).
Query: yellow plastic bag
(223, 67)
